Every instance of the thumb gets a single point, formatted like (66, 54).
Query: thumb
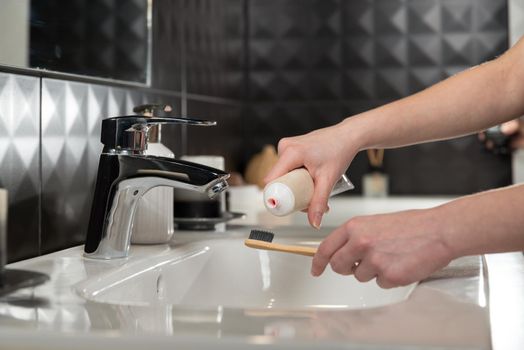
(318, 205)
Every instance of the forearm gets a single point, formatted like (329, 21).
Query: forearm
(466, 103)
(488, 222)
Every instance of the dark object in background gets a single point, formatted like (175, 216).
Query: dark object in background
(197, 209)
(496, 141)
(11, 280)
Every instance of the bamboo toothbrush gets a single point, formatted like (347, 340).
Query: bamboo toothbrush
(263, 240)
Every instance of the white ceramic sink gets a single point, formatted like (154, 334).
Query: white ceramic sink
(223, 272)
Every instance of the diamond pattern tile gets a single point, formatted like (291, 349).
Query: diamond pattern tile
(457, 49)
(424, 17)
(385, 34)
(390, 17)
(358, 52)
(492, 16)
(214, 51)
(71, 120)
(424, 50)
(457, 16)
(455, 168)
(391, 52)
(19, 161)
(200, 59)
(372, 52)
(295, 48)
(167, 57)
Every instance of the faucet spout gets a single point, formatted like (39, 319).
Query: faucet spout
(122, 181)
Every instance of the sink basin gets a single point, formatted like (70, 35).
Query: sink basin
(223, 272)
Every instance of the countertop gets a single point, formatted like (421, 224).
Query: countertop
(453, 309)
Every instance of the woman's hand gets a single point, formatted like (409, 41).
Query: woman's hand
(398, 248)
(326, 154)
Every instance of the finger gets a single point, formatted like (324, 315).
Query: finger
(327, 248)
(365, 271)
(327, 210)
(287, 161)
(345, 260)
(511, 127)
(318, 205)
(384, 283)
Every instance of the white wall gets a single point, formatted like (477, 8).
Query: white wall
(516, 31)
(516, 20)
(14, 33)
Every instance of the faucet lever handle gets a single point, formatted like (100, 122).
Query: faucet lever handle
(159, 114)
(130, 133)
(175, 120)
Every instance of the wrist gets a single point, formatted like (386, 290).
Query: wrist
(355, 131)
(446, 231)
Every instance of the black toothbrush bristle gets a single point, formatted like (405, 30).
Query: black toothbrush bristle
(261, 235)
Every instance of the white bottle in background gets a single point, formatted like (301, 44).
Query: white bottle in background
(518, 166)
(153, 222)
(516, 31)
(293, 192)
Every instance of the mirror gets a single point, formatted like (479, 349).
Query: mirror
(97, 38)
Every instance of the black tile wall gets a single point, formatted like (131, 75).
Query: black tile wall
(268, 122)
(314, 62)
(198, 47)
(294, 50)
(167, 57)
(102, 38)
(214, 52)
(457, 167)
(223, 139)
(205, 63)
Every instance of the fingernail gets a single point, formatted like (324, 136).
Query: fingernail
(317, 220)
(314, 273)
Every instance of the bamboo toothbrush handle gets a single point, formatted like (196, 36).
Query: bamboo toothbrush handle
(294, 249)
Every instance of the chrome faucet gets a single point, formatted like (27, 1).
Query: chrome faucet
(125, 174)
